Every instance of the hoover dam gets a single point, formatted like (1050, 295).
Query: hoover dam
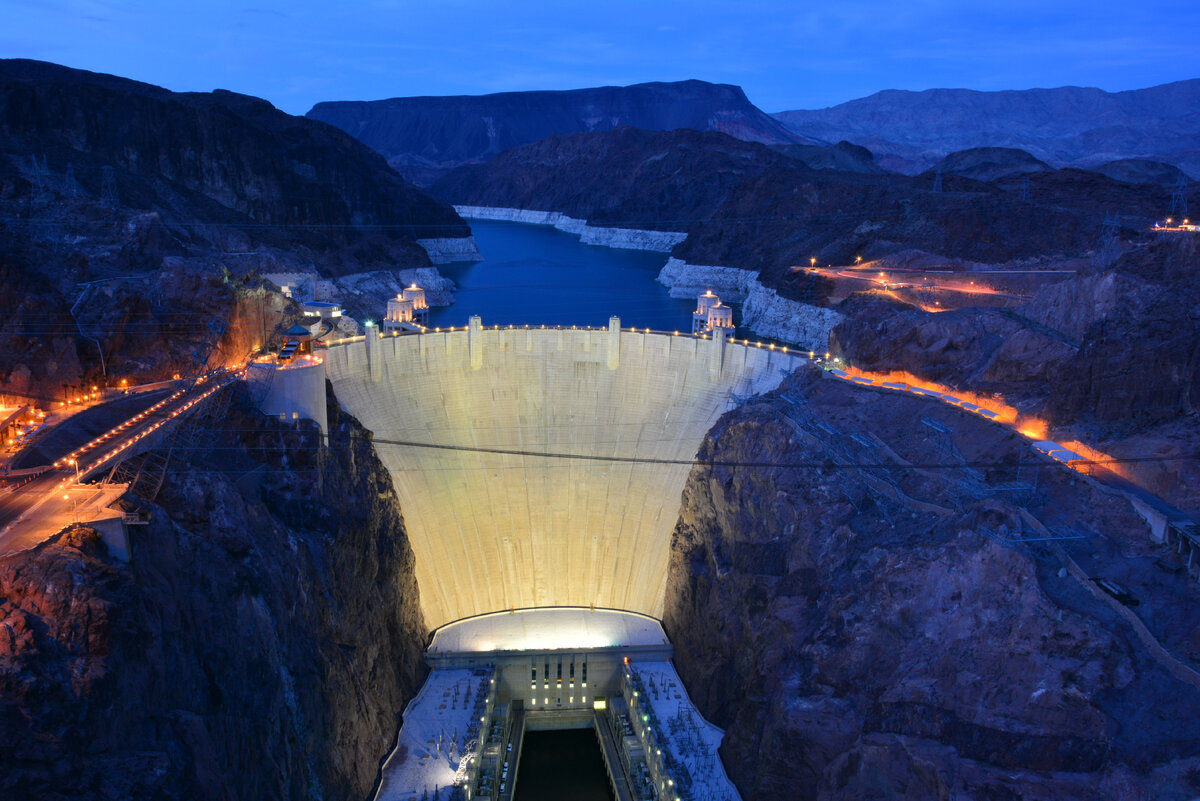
(539, 471)
(543, 466)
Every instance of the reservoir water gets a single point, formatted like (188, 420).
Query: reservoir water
(538, 275)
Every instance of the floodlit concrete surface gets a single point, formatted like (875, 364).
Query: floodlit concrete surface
(291, 391)
(548, 629)
(496, 531)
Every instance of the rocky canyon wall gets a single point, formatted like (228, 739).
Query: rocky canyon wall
(903, 632)
(261, 644)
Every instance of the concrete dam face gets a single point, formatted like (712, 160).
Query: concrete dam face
(575, 511)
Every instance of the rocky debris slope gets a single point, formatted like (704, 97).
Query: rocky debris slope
(423, 137)
(1066, 126)
(260, 644)
(881, 633)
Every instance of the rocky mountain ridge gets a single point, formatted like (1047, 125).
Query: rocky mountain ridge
(989, 163)
(1068, 126)
(133, 217)
(744, 205)
(423, 137)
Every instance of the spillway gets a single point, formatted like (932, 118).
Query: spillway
(543, 467)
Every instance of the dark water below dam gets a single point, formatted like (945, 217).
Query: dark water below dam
(538, 275)
(562, 764)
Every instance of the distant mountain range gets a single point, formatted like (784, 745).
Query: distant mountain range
(1070, 126)
(747, 204)
(424, 137)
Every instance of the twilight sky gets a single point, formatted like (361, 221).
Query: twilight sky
(785, 55)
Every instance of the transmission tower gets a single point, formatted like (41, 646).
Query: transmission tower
(1025, 190)
(1109, 234)
(1179, 196)
(38, 173)
(108, 188)
(937, 181)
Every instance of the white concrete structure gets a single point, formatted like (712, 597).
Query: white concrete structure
(416, 296)
(655, 694)
(700, 315)
(292, 391)
(399, 315)
(719, 316)
(420, 305)
(543, 467)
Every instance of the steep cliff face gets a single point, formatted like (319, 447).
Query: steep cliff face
(425, 136)
(127, 207)
(1140, 353)
(218, 160)
(883, 633)
(260, 644)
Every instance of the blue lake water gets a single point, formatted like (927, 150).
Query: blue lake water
(538, 275)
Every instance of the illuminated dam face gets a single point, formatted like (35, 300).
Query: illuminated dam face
(494, 531)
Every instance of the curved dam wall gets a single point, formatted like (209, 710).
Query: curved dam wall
(568, 521)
